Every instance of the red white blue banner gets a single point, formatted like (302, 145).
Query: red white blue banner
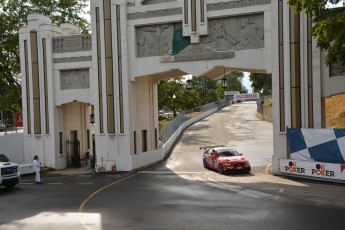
(313, 169)
(322, 145)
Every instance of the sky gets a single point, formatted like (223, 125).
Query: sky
(246, 83)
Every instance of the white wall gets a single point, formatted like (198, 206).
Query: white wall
(12, 145)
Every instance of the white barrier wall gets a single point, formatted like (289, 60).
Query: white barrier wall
(320, 170)
(146, 158)
(12, 145)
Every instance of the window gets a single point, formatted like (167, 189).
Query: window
(135, 142)
(88, 138)
(144, 140)
(60, 142)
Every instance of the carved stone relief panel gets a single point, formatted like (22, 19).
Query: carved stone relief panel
(72, 59)
(236, 4)
(154, 13)
(197, 52)
(74, 79)
(72, 43)
(154, 40)
(235, 33)
(149, 2)
(225, 35)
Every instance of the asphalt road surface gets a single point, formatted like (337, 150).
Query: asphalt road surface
(176, 194)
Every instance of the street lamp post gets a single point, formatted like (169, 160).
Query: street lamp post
(174, 104)
(224, 82)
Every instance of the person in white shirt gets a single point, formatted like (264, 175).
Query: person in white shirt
(37, 168)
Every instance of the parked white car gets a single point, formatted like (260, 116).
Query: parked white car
(9, 172)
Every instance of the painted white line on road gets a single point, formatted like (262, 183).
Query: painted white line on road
(210, 179)
(240, 190)
(165, 172)
(279, 189)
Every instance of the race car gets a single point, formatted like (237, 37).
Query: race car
(224, 159)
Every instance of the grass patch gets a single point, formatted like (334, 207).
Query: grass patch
(47, 169)
(335, 111)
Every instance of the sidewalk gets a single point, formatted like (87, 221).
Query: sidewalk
(72, 171)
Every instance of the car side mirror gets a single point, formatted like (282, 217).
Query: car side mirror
(241, 154)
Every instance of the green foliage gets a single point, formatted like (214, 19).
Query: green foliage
(204, 91)
(234, 82)
(262, 82)
(166, 90)
(328, 26)
(13, 15)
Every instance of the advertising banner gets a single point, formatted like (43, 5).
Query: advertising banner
(321, 145)
(313, 169)
(242, 96)
(18, 120)
(227, 93)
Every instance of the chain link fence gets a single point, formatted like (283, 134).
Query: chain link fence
(171, 131)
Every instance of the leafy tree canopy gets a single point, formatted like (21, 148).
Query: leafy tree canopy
(204, 91)
(234, 82)
(261, 83)
(328, 26)
(13, 15)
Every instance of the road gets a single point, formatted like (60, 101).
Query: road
(177, 194)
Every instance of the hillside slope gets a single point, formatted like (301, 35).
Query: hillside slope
(335, 111)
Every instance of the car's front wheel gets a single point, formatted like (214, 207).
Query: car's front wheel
(205, 164)
(9, 185)
(220, 169)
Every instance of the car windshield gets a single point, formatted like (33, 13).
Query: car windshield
(228, 153)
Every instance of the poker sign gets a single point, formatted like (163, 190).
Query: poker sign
(313, 169)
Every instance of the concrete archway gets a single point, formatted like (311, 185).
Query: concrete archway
(134, 44)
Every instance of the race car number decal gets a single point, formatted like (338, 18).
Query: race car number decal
(215, 164)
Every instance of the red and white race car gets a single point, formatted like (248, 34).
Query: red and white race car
(225, 159)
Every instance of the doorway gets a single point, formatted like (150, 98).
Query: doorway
(75, 149)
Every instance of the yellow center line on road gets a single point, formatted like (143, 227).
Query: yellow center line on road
(100, 190)
(81, 207)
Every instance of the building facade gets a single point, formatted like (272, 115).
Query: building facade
(111, 76)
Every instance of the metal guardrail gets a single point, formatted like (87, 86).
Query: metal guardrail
(169, 129)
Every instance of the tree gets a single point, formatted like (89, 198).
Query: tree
(234, 81)
(261, 83)
(166, 90)
(206, 89)
(13, 15)
(328, 26)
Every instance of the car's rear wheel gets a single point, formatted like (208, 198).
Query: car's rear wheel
(220, 169)
(205, 164)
